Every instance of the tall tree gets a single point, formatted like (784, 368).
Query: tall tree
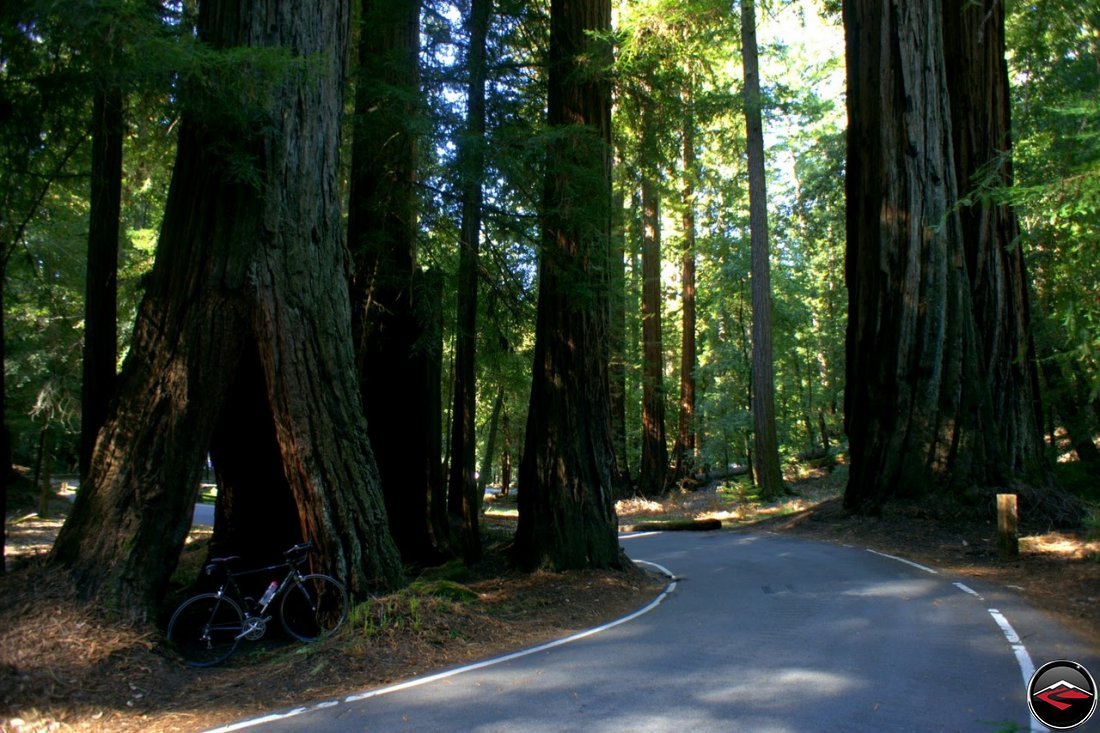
(765, 455)
(250, 258)
(686, 447)
(101, 292)
(918, 409)
(974, 51)
(394, 361)
(566, 510)
(653, 470)
(471, 162)
(616, 344)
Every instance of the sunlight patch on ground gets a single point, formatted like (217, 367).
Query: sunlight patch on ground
(1061, 545)
(730, 502)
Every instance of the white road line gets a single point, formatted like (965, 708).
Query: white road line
(917, 565)
(967, 589)
(1027, 667)
(1023, 659)
(468, 668)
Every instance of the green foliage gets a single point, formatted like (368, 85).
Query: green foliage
(1053, 62)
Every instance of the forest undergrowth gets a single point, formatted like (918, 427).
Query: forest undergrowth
(63, 667)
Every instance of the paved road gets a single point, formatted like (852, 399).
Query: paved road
(760, 633)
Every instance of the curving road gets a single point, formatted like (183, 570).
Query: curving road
(759, 632)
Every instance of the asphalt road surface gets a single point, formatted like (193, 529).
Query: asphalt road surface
(758, 632)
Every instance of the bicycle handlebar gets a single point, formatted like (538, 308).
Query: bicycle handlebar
(302, 549)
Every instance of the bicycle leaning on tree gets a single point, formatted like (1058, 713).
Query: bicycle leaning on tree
(206, 628)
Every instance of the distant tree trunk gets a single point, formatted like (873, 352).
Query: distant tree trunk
(977, 82)
(484, 475)
(244, 262)
(101, 288)
(566, 510)
(616, 342)
(43, 470)
(653, 471)
(769, 476)
(917, 410)
(393, 368)
(686, 447)
(505, 457)
(471, 164)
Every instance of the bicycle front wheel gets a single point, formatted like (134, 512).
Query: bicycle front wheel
(205, 629)
(314, 607)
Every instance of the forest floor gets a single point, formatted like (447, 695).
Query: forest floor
(63, 667)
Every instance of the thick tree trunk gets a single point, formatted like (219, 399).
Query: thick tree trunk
(566, 510)
(653, 471)
(246, 261)
(686, 447)
(386, 318)
(768, 475)
(917, 410)
(101, 290)
(471, 161)
(982, 138)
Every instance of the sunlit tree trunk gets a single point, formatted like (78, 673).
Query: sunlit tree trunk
(765, 458)
(566, 511)
(101, 290)
(251, 260)
(653, 470)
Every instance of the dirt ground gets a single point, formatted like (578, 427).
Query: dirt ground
(62, 667)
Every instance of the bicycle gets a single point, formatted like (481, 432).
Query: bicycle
(206, 628)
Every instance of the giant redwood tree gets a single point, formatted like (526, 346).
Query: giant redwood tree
(566, 509)
(940, 398)
(981, 137)
(245, 309)
(395, 354)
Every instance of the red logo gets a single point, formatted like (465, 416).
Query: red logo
(1062, 695)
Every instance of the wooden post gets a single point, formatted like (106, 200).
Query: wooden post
(1007, 538)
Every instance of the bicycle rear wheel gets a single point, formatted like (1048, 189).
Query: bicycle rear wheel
(205, 629)
(314, 608)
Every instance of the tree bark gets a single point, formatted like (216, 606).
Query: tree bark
(386, 310)
(101, 289)
(616, 344)
(471, 163)
(768, 475)
(653, 472)
(566, 511)
(686, 446)
(917, 411)
(974, 51)
(251, 256)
